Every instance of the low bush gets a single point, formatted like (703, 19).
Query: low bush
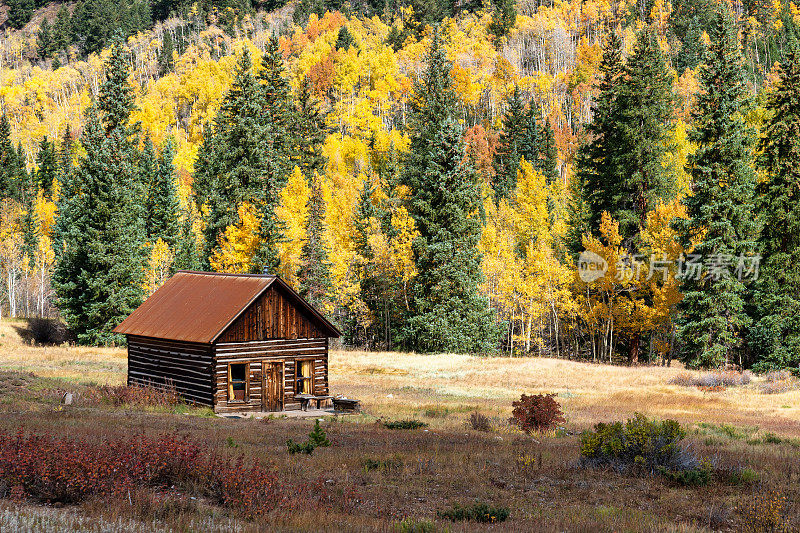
(47, 331)
(478, 512)
(480, 422)
(404, 424)
(777, 375)
(693, 477)
(136, 395)
(684, 379)
(713, 381)
(536, 413)
(414, 525)
(316, 439)
(639, 443)
(765, 511)
(47, 469)
(384, 465)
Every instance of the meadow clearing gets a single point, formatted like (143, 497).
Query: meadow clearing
(374, 478)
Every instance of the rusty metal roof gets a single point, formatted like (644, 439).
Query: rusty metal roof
(199, 306)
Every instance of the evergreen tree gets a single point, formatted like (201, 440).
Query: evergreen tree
(165, 55)
(161, 205)
(711, 317)
(47, 161)
(775, 337)
(310, 131)
(314, 276)
(20, 12)
(242, 159)
(504, 17)
(62, 30)
(99, 235)
(186, 253)
(344, 39)
(509, 149)
(646, 109)
(693, 47)
(447, 314)
(12, 164)
(44, 40)
(65, 154)
(530, 140)
(597, 187)
(547, 163)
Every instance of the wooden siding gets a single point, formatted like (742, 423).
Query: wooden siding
(288, 351)
(185, 365)
(274, 315)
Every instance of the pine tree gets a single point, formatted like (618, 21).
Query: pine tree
(99, 235)
(447, 314)
(775, 337)
(20, 12)
(530, 140)
(310, 131)
(243, 158)
(44, 40)
(504, 18)
(509, 146)
(345, 39)
(597, 187)
(314, 275)
(186, 253)
(65, 154)
(47, 161)
(161, 204)
(711, 317)
(547, 163)
(62, 30)
(165, 55)
(646, 107)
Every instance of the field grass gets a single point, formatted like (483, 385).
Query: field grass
(400, 480)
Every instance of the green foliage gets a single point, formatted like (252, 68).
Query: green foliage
(775, 336)
(12, 166)
(504, 17)
(694, 477)
(161, 203)
(477, 512)
(316, 439)
(345, 39)
(446, 314)
(711, 317)
(415, 525)
(44, 40)
(510, 145)
(404, 424)
(639, 443)
(99, 234)
(47, 161)
(20, 12)
(314, 276)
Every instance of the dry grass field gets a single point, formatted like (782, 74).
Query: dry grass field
(375, 479)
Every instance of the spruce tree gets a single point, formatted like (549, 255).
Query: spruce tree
(711, 317)
(243, 158)
(547, 163)
(529, 142)
(310, 131)
(504, 17)
(447, 313)
(344, 39)
(99, 235)
(165, 55)
(597, 183)
(186, 253)
(775, 337)
(44, 40)
(161, 203)
(65, 154)
(507, 157)
(646, 110)
(62, 30)
(314, 276)
(47, 161)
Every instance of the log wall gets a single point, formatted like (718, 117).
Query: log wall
(184, 365)
(289, 351)
(275, 315)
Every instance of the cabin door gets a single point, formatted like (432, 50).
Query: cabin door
(273, 386)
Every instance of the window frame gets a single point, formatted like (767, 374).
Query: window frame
(231, 398)
(297, 364)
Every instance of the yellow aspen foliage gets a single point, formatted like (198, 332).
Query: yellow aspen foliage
(530, 214)
(159, 265)
(292, 213)
(238, 244)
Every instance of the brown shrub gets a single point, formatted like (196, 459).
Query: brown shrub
(536, 413)
(765, 511)
(137, 395)
(684, 379)
(480, 422)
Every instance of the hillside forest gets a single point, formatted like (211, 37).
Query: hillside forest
(430, 174)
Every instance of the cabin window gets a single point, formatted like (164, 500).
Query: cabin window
(305, 377)
(238, 384)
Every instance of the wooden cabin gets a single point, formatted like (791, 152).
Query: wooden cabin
(235, 342)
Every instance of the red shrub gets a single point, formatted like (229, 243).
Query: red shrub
(536, 413)
(49, 469)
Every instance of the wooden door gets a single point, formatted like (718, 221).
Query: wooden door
(273, 386)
